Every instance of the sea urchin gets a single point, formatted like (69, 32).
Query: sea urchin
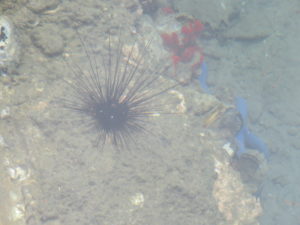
(117, 95)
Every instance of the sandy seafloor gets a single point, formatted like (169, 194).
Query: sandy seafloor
(52, 173)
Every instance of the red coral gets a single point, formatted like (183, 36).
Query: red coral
(191, 31)
(188, 53)
(194, 27)
(183, 49)
(171, 40)
(176, 59)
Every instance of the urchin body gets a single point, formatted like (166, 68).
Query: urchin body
(117, 98)
(111, 115)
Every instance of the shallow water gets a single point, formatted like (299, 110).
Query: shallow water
(53, 173)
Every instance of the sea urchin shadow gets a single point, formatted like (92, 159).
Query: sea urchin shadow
(117, 97)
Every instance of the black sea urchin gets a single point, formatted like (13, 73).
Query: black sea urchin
(117, 96)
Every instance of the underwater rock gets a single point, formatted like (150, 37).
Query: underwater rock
(48, 40)
(252, 168)
(249, 31)
(213, 13)
(42, 5)
(237, 204)
(9, 54)
(16, 199)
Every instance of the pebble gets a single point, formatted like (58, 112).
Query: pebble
(4, 113)
(2, 141)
